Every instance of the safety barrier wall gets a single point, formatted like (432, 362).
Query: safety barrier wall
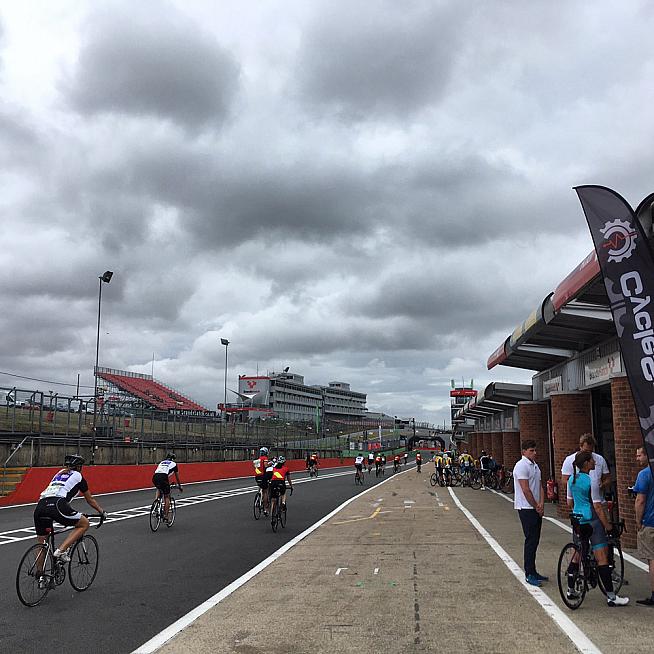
(108, 479)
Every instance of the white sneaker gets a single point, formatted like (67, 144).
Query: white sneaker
(617, 601)
(62, 556)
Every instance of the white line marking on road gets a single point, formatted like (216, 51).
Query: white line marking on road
(140, 490)
(567, 626)
(409, 502)
(15, 535)
(338, 570)
(376, 572)
(160, 639)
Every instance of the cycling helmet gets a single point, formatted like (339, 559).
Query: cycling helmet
(73, 460)
(171, 456)
(263, 450)
(274, 459)
(281, 459)
(483, 453)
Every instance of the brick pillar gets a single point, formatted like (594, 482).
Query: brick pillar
(511, 448)
(488, 442)
(628, 437)
(475, 445)
(571, 417)
(497, 446)
(533, 424)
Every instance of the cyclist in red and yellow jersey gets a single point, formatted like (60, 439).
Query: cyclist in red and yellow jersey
(278, 483)
(418, 461)
(313, 461)
(396, 463)
(262, 478)
(378, 463)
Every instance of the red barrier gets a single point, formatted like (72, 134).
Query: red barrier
(108, 479)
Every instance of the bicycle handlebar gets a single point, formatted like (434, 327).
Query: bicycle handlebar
(102, 516)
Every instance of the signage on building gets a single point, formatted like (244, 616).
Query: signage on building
(508, 422)
(627, 266)
(553, 385)
(601, 370)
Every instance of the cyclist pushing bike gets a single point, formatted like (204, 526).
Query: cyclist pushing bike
(54, 505)
(593, 527)
(161, 481)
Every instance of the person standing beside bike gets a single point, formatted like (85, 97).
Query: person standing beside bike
(54, 505)
(600, 475)
(418, 460)
(593, 523)
(485, 464)
(644, 490)
(529, 502)
(161, 480)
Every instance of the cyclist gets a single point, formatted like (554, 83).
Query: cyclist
(396, 463)
(358, 465)
(371, 461)
(280, 473)
(438, 464)
(260, 477)
(447, 468)
(378, 462)
(485, 463)
(594, 524)
(54, 505)
(161, 480)
(383, 458)
(418, 460)
(406, 457)
(465, 462)
(313, 461)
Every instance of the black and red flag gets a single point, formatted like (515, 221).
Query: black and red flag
(627, 265)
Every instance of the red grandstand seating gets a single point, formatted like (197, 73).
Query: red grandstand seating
(152, 392)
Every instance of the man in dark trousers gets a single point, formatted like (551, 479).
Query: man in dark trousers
(529, 502)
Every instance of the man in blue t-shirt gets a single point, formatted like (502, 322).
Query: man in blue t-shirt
(644, 489)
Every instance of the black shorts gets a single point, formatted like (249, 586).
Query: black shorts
(359, 466)
(161, 481)
(277, 488)
(262, 481)
(55, 509)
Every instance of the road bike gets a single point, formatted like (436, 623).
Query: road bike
(39, 571)
(505, 480)
(379, 470)
(396, 466)
(577, 567)
(358, 477)
(278, 513)
(157, 512)
(433, 479)
(313, 471)
(258, 505)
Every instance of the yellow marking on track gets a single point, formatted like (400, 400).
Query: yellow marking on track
(370, 517)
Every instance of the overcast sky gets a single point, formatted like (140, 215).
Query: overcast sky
(374, 192)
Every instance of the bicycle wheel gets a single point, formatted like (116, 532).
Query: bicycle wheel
(433, 479)
(257, 506)
(84, 560)
(29, 591)
(616, 561)
(507, 486)
(475, 481)
(172, 512)
(155, 515)
(455, 478)
(571, 576)
(274, 517)
(282, 515)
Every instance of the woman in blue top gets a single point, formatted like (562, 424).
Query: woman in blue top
(594, 525)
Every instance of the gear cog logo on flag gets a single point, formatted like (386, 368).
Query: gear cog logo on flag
(619, 238)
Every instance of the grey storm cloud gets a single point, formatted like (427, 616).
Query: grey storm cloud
(150, 60)
(379, 58)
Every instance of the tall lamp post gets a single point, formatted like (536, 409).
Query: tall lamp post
(225, 342)
(105, 278)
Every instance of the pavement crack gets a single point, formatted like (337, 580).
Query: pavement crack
(416, 603)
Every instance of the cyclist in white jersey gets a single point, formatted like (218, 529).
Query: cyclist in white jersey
(161, 480)
(54, 505)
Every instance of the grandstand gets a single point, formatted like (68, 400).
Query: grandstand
(146, 391)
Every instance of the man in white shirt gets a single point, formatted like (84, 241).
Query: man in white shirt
(600, 476)
(529, 502)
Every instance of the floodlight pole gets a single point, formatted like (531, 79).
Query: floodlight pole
(225, 342)
(104, 278)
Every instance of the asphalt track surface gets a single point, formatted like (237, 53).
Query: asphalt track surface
(148, 580)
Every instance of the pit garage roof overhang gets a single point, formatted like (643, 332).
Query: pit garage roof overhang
(575, 317)
(495, 398)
